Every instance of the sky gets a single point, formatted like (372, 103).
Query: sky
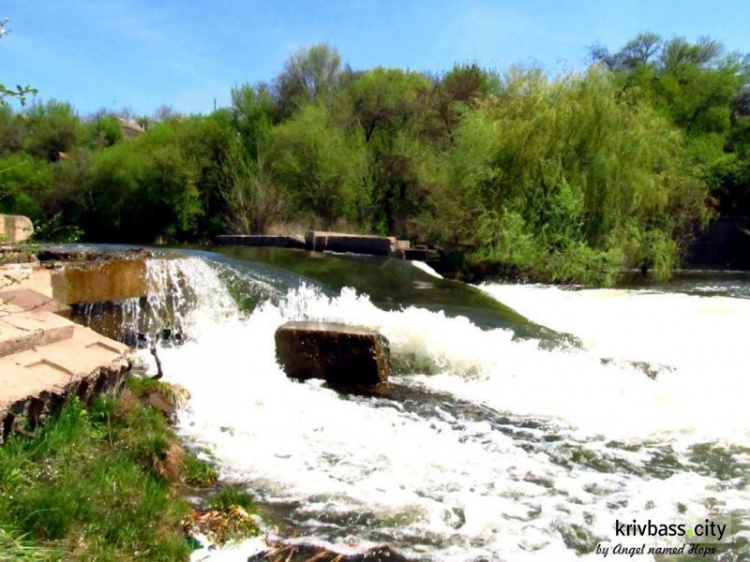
(188, 54)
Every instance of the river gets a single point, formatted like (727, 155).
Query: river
(522, 421)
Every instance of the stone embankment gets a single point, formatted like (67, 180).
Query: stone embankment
(323, 241)
(44, 357)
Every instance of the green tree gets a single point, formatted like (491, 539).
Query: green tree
(253, 200)
(310, 75)
(144, 188)
(19, 92)
(576, 168)
(52, 128)
(23, 182)
(320, 168)
(453, 94)
(103, 130)
(384, 100)
(254, 112)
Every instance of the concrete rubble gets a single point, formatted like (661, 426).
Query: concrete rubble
(44, 357)
(345, 356)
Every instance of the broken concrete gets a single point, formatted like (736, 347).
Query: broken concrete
(342, 355)
(21, 331)
(74, 283)
(72, 276)
(15, 229)
(25, 276)
(294, 241)
(28, 299)
(45, 358)
(322, 241)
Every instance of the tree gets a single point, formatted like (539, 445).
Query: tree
(320, 167)
(52, 128)
(385, 99)
(309, 75)
(103, 129)
(20, 92)
(253, 201)
(640, 51)
(461, 88)
(254, 112)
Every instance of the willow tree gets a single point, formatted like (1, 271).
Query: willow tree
(571, 179)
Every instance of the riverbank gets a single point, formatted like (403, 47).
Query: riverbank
(113, 481)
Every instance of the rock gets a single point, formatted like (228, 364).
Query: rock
(15, 229)
(342, 355)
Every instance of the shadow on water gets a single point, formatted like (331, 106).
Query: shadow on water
(699, 282)
(390, 283)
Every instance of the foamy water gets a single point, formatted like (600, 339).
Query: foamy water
(501, 450)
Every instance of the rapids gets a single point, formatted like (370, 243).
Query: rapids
(491, 444)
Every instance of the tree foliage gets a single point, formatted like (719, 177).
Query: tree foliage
(572, 178)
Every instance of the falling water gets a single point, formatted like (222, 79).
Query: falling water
(488, 447)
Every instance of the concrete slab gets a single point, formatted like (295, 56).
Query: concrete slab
(29, 300)
(20, 331)
(15, 228)
(262, 241)
(99, 281)
(25, 276)
(323, 241)
(58, 369)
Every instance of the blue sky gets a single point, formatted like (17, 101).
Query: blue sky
(185, 53)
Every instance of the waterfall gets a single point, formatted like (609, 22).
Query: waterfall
(491, 447)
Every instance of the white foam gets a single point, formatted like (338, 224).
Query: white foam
(464, 485)
(426, 268)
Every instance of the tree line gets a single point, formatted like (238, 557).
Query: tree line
(569, 179)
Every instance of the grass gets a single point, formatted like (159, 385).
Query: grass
(13, 546)
(103, 483)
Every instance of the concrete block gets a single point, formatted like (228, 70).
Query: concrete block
(15, 229)
(29, 301)
(323, 241)
(342, 355)
(20, 331)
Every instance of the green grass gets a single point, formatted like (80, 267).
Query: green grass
(199, 473)
(102, 483)
(232, 495)
(13, 546)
